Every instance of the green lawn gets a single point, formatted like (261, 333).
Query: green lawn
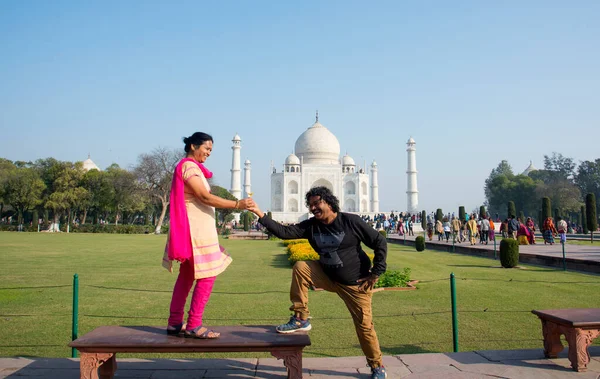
(122, 283)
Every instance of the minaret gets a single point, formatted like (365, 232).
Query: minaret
(247, 183)
(374, 188)
(236, 173)
(412, 194)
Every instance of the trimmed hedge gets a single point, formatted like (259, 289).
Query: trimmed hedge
(93, 228)
(420, 243)
(383, 233)
(509, 253)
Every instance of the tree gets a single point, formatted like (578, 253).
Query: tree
(6, 167)
(482, 211)
(587, 178)
(512, 211)
(461, 213)
(126, 195)
(546, 208)
(498, 186)
(424, 220)
(100, 193)
(154, 172)
(222, 192)
(68, 193)
(439, 215)
(590, 210)
(583, 220)
(23, 190)
(559, 166)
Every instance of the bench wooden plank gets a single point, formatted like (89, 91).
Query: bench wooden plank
(575, 317)
(580, 327)
(99, 347)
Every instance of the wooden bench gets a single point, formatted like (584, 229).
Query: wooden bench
(580, 327)
(99, 347)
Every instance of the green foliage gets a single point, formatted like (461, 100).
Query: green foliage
(109, 228)
(394, 278)
(557, 213)
(225, 232)
(423, 219)
(590, 210)
(512, 211)
(522, 216)
(439, 215)
(546, 208)
(482, 211)
(461, 213)
(540, 221)
(584, 220)
(383, 233)
(246, 221)
(420, 243)
(509, 253)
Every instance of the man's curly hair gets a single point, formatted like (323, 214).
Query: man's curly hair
(326, 195)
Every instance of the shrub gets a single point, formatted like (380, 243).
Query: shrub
(522, 216)
(590, 211)
(424, 220)
(584, 220)
(383, 233)
(394, 278)
(301, 252)
(225, 232)
(439, 215)
(509, 252)
(546, 208)
(293, 242)
(482, 211)
(461, 213)
(420, 243)
(512, 211)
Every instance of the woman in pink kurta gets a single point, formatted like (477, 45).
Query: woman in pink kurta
(193, 238)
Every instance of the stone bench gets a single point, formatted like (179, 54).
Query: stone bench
(99, 347)
(580, 327)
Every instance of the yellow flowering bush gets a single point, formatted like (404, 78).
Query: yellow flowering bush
(301, 252)
(293, 242)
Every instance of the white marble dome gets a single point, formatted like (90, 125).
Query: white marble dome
(89, 164)
(317, 145)
(348, 161)
(410, 140)
(292, 159)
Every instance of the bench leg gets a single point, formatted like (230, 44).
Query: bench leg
(292, 359)
(90, 362)
(552, 344)
(579, 340)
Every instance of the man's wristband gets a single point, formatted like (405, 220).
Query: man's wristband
(236, 204)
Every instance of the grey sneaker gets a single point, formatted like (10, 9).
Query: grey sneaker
(294, 325)
(378, 372)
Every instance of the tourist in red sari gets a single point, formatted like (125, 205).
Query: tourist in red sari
(531, 227)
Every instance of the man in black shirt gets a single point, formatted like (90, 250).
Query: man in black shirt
(343, 267)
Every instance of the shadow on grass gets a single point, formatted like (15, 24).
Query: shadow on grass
(280, 261)
(406, 349)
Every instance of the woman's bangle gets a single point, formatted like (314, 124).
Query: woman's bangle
(236, 204)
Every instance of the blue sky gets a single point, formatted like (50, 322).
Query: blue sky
(473, 82)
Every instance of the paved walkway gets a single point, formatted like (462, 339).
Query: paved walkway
(578, 257)
(518, 364)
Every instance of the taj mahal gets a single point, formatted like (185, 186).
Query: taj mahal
(316, 162)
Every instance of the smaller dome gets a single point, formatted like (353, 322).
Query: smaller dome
(529, 169)
(236, 137)
(411, 140)
(348, 161)
(89, 164)
(374, 164)
(247, 161)
(292, 159)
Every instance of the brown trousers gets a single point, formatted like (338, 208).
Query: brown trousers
(306, 273)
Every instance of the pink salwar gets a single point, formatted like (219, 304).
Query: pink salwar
(200, 296)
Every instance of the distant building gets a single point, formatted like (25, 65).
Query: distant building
(89, 164)
(529, 169)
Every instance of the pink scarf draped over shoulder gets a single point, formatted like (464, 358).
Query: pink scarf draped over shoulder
(179, 244)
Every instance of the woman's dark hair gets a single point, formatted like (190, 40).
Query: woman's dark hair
(196, 139)
(326, 195)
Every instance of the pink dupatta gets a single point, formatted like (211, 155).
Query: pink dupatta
(179, 246)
